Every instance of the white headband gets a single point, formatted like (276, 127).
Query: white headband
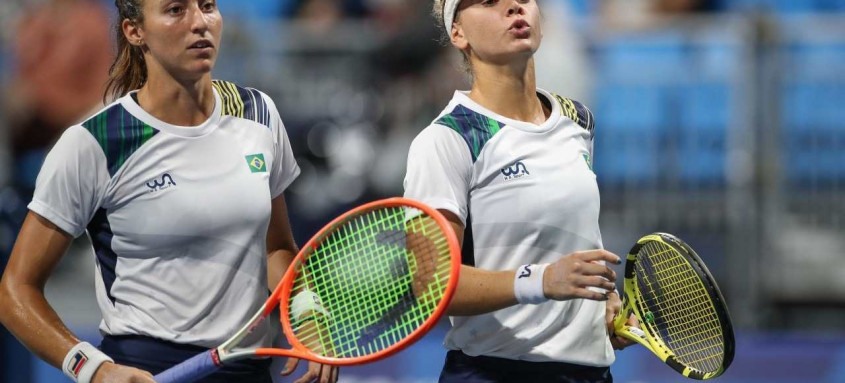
(449, 9)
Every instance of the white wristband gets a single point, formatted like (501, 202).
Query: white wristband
(528, 284)
(82, 361)
(306, 301)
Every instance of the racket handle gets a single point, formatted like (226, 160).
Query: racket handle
(190, 370)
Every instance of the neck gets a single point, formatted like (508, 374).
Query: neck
(508, 90)
(184, 104)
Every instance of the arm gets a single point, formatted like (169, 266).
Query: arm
(482, 291)
(27, 314)
(281, 250)
(281, 247)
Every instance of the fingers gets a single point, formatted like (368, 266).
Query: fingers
(319, 373)
(290, 366)
(588, 294)
(594, 281)
(598, 255)
(328, 374)
(311, 375)
(578, 274)
(595, 269)
(335, 375)
(613, 307)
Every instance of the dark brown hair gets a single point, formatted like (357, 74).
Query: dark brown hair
(128, 71)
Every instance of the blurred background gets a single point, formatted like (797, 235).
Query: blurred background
(721, 121)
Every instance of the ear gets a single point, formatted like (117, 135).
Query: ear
(457, 36)
(133, 32)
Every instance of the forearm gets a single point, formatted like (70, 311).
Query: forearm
(482, 291)
(30, 318)
(278, 262)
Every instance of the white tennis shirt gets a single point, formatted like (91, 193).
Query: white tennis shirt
(178, 215)
(532, 197)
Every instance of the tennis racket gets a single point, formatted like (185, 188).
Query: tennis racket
(682, 314)
(369, 284)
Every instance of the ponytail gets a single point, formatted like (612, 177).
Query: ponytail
(128, 71)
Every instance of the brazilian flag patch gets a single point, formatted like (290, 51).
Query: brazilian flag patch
(256, 163)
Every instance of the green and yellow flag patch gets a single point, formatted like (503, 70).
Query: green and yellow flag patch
(256, 163)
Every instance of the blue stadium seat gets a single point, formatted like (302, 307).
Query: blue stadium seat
(813, 134)
(629, 133)
(813, 120)
(653, 56)
(705, 114)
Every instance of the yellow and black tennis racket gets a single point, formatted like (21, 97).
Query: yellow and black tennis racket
(682, 314)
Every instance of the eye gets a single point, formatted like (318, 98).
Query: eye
(209, 6)
(175, 10)
(488, 3)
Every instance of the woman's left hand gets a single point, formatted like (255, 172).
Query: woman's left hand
(322, 373)
(614, 305)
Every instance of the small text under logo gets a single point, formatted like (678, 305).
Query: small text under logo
(515, 171)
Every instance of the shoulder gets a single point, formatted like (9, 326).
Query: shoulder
(476, 129)
(117, 132)
(577, 112)
(243, 102)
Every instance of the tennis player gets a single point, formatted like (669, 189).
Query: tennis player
(179, 184)
(512, 165)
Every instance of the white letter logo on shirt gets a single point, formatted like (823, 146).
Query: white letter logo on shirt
(515, 171)
(162, 182)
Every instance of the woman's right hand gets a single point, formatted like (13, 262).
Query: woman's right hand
(116, 373)
(572, 276)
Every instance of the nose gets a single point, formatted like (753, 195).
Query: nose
(516, 8)
(199, 24)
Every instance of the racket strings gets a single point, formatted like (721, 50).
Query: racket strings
(683, 312)
(379, 276)
(324, 261)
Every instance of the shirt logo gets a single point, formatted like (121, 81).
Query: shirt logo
(256, 163)
(162, 182)
(515, 171)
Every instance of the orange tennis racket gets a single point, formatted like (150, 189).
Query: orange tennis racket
(369, 284)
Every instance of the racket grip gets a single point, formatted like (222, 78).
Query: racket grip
(190, 370)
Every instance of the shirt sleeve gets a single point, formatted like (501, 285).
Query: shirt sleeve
(284, 167)
(440, 170)
(72, 182)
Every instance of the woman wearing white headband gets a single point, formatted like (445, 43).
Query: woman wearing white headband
(511, 164)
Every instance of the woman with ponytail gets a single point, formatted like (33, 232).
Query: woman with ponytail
(179, 183)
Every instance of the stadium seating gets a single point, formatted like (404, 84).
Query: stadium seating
(664, 107)
(629, 133)
(704, 114)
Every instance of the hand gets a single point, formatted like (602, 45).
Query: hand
(614, 305)
(571, 276)
(109, 372)
(322, 373)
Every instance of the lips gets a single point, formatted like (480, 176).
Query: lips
(201, 44)
(519, 24)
